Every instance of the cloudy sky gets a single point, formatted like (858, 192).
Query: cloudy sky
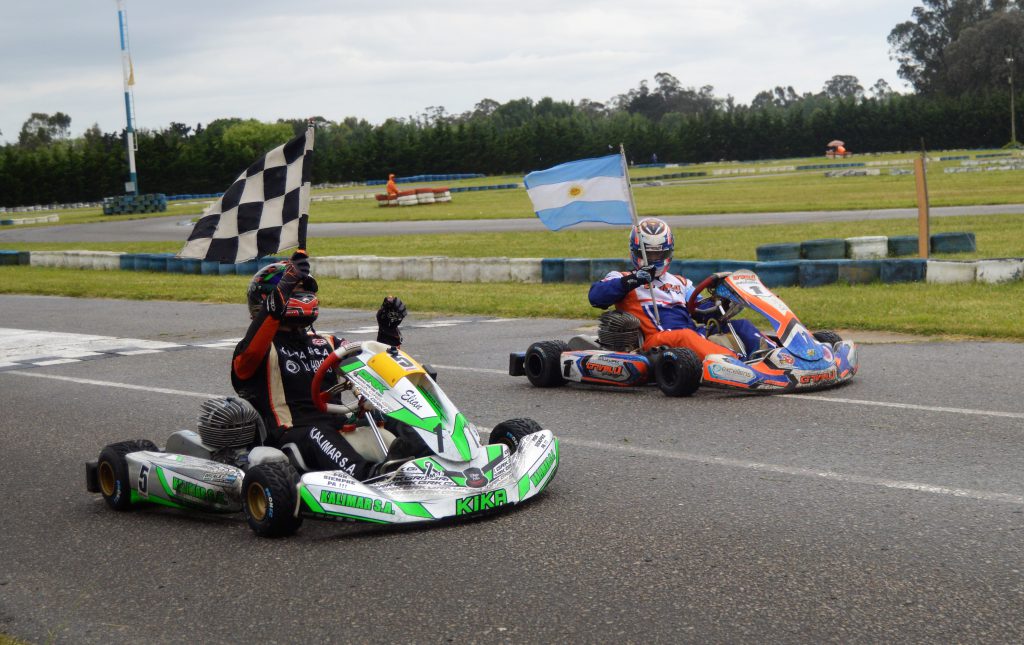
(267, 59)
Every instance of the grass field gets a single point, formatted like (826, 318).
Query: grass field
(975, 311)
(747, 192)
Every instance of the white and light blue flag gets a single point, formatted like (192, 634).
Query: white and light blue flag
(588, 190)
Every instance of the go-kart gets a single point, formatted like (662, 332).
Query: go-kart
(224, 467)
(791, 358)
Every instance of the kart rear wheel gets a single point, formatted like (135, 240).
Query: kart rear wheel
(112, 472)
(270, 496)
(679, 371)
(512, 432)
(543, 363)
(828, 337)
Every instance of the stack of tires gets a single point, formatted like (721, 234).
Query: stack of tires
(129, 204)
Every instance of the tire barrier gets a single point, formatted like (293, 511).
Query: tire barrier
(950, 272)
(953, 243)
(828, 249)
(415, 178)
(994, 271)
(859, 271)
(895, 271)
(902, 245)
(785, 273)
(867, 248)
(41, 219)
(130, 204)
(777, 252)
(779, 274)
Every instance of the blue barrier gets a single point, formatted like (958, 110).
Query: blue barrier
(819, 273)
(552, 270)
(126, 262)
(8, 258)
(599, 268)
(157, 262)
(826, 249)
(191, 266)
(226, 269)
(953, 243)
(174, 265)
(903, 271)
(775, 252)
(141, 262)
(779, 274)
(24, 257)
(209, 267)
(247, 268)
(902, 245)
(576, 270)
(737, 265)
(860, 271)
(695, 270)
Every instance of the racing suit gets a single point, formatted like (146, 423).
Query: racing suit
(677, 328)
(273, 369)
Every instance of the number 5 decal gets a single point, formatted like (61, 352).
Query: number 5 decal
(144, 479)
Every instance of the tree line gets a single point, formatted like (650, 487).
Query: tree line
(950, 108)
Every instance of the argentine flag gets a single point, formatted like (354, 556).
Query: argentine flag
(588, 190)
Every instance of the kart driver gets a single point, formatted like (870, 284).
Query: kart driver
(274, 365)
(634, 292)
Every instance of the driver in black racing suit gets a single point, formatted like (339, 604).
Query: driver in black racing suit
(274, 364)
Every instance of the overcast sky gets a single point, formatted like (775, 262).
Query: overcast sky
(268, 59)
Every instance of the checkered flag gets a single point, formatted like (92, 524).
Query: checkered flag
(263, 212)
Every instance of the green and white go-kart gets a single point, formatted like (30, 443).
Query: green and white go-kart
(224, 467)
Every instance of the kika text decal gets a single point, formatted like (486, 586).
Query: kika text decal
(481, 502)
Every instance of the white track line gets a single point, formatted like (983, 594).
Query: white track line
(818, 397)
(987, 496)
(123, 386)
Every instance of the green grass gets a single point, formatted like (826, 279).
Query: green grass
(749, 192)
(929, 309)
(996, 235)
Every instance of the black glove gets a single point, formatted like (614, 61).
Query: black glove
(643, 275)
(390, 315)
(299, 265)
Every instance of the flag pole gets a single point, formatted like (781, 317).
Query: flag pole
(636, 225)
(307, 172)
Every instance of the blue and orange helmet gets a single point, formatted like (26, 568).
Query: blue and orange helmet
(303, 306)
(657, 240)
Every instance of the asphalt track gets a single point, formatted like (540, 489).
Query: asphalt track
(171, 228)
(889, 510)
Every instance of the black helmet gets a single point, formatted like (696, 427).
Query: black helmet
(303, 305)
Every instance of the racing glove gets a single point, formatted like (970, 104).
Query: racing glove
(390, 315)
(295, 274)
(643, 275)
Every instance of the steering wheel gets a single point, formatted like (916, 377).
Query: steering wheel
(322, 398)
(721, 314)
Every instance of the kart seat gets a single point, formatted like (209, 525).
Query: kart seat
(579, 343)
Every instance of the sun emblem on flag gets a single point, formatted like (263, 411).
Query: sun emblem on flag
(575, 190)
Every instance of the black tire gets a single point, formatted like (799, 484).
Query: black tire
(512, 432)
(830, 338)
(112, 472)
(269, 497)
(543, 363)
(679, 372)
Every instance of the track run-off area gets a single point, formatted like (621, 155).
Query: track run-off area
(891, 509)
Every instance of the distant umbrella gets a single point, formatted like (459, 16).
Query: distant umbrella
(835, 143)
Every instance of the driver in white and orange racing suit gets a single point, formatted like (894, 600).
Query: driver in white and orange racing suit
(274, 364)
(636, 291)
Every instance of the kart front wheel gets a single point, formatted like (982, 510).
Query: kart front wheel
(270, 496)
(678, 373)
(543, 363)
(512, 432)
(830, 338)
(112, 472)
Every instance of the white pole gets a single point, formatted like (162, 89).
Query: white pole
(126, 70)
(636, 225)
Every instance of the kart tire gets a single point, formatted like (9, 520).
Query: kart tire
(830, 338)
(112, 472)
(679, 372)
(512, 432)
(543, 363)
(269, 497)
